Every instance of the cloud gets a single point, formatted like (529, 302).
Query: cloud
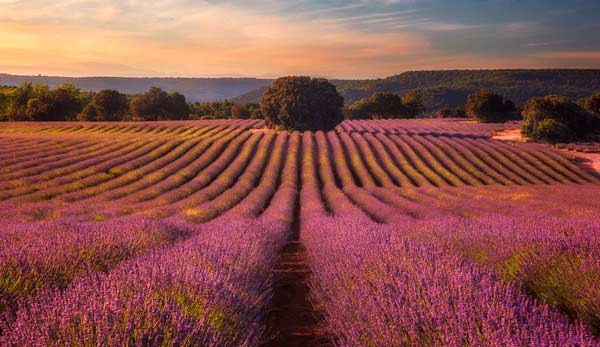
(358, 38)
(572, 55)
(219, 40)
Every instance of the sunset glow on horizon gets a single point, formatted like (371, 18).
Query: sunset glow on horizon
(335, 39)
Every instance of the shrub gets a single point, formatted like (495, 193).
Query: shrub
(302, 103)
(450, 113)
(387, 105)
(413, 104)
(557, 119)
(489, 107)
(379, 105)
(592, 103)
(239, 112)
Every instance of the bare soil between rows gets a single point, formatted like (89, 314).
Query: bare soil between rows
(292, 316)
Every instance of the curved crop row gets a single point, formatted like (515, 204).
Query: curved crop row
(242, 187)
(280, 173)
(162, 177)
(55, 170)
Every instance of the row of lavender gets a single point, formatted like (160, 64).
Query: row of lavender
(184, 128)
(381, 286)
(208, 290)
(448, 280)
(162, 128)
(134, 281)
(169, 176)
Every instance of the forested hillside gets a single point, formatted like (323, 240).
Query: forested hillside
(451, 87)
(438, 88)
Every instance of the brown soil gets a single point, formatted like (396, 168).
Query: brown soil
(292, 316)
(509, 135)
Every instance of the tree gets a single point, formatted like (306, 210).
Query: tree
(413, 104)
(89, 113)
(489, 107)
(16, 109)
(65, 102)
(60, 104)
(151, 105)
(239, 112)
(380, 105)
(302, 103)
(450, 113)
(178, 108)
(156, 104)
(592, 103)
(254, 110)
(107, 105)
(556, 118)
(38, 109)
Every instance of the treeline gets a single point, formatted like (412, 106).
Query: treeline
(552, 118)
(37, 102)
(225, 110)
(450, 88)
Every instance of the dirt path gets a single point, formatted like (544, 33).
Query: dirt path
(292, 316)
(509, 135)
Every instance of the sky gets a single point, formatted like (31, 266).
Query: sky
(268, 38)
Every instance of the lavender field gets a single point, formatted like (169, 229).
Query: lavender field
(222, 233)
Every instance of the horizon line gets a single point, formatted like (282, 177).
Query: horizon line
(274, 78)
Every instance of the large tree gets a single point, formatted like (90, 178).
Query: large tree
(556, 118)
(488, 107)
(302, 103)
(109, 105)
(156, 104)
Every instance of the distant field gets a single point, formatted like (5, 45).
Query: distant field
(220, 233)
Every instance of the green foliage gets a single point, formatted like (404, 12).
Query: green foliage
(302, 103)
(556, 118)
(450, 88)
(38, 103)
(489, 107)
(450, 113)
(239, 112)
(387, 105)
(254, 110)
(377, 106)
(108, 105)
(213, 109)
(156, 104)
(413, 103)
(592, 103)
(89, 113)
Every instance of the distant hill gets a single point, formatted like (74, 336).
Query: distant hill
(451, 87)
(438, 88)
(194, 89)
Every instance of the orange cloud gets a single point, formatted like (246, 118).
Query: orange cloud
(219, 41)
(163, 39)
